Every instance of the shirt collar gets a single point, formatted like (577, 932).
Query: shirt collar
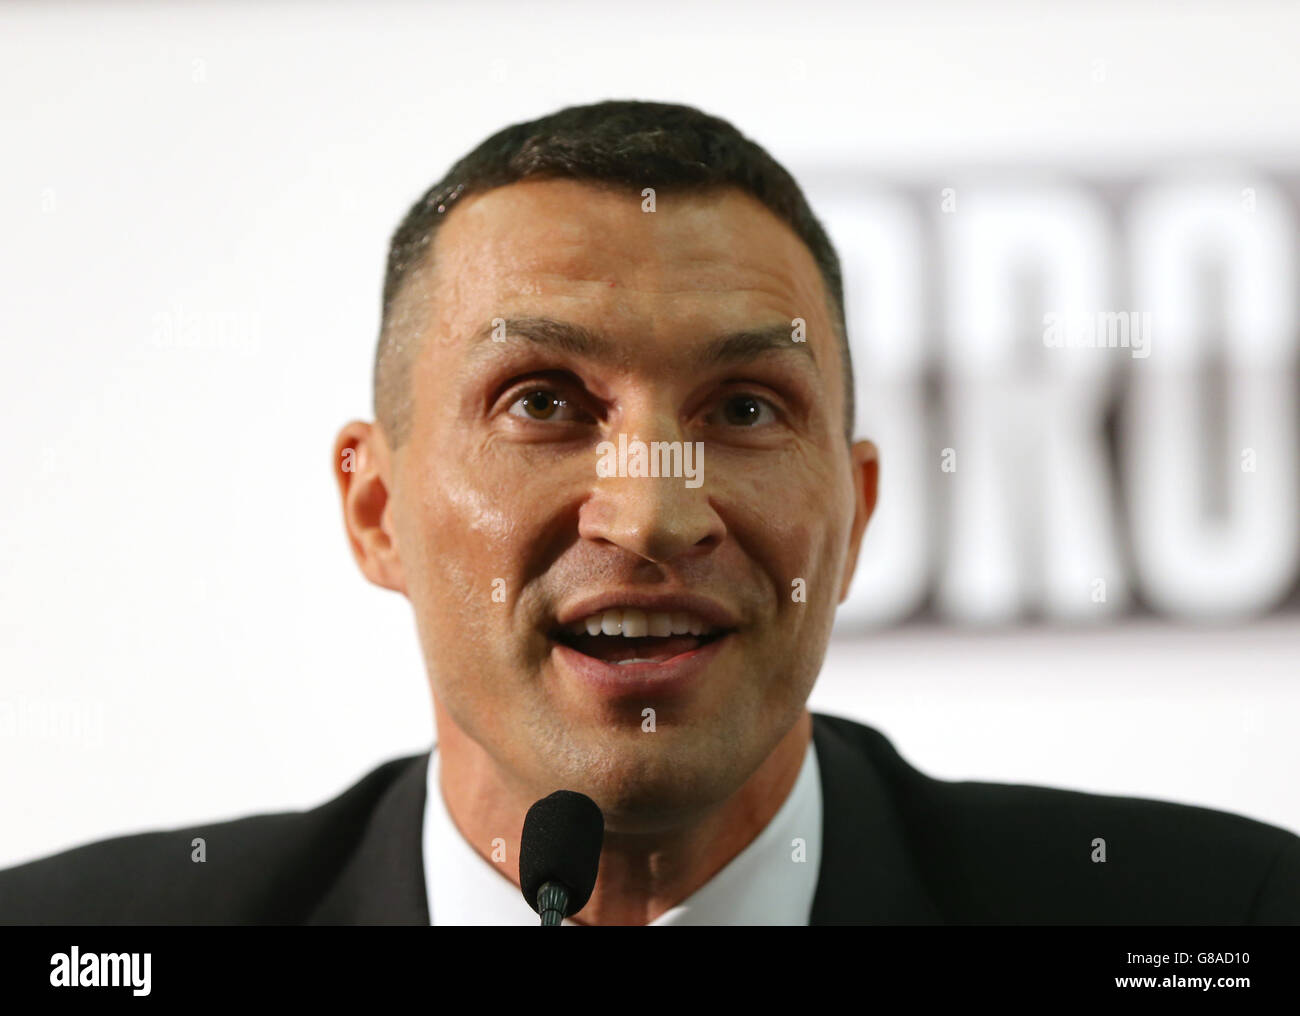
(771, 882)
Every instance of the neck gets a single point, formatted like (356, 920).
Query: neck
(641, 876)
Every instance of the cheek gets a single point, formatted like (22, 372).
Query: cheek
(791, 518)
(454, 536)
(473, 538)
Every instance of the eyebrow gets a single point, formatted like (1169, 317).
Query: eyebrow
(566, 337)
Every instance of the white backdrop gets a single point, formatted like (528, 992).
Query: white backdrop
(195, 210)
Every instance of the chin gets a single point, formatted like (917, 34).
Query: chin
(647, 782)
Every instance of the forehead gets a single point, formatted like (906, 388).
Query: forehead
(700, 257)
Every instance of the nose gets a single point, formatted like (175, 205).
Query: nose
(658, 518)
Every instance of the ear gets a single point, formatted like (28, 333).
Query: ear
(866, 482)
(363, 469)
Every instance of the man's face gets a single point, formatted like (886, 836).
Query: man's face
(505, 529)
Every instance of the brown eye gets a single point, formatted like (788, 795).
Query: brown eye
(541, 404)
(747, 411)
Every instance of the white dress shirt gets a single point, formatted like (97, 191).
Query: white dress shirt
(763, 884)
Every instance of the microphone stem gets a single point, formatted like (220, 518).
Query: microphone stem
(552, 903)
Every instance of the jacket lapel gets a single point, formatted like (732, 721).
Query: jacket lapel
(383, 880)
(866, 875)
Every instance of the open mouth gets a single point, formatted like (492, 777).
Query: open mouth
(634, 636)
(650, 649)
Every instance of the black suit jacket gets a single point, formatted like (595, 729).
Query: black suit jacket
(898, 848)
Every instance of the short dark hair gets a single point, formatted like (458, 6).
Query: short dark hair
(625, 143)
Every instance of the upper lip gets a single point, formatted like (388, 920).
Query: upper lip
(710, 610)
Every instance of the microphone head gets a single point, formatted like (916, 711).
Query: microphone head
(561, 842)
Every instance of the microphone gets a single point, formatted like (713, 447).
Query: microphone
(559, 854)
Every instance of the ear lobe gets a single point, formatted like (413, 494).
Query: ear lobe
(362, 469)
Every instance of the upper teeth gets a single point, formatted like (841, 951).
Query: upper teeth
(632, 623)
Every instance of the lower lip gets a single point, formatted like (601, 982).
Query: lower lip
(671, 677)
